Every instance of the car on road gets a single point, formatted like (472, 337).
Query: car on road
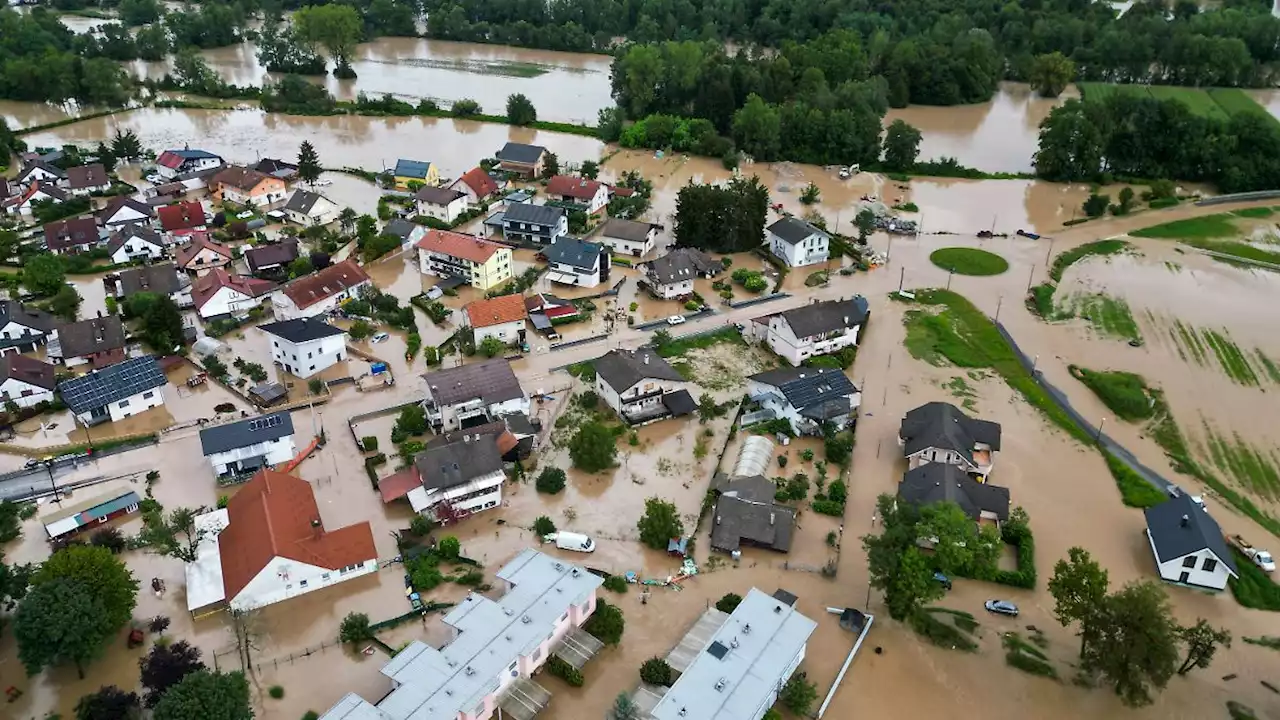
(1001, 607)
(33, 463)
(380, 337)
(942, 580)
(155, 179)
(676, 320)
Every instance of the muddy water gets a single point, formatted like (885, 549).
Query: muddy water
(999, 136)
(564, 87)
(1269, 99)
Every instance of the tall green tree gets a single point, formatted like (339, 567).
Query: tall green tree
(308, 162)
(101, 573)
(897, 567)
(125, 145)
(722, 219)
(176, 534)
(166, 666)
(901, 146)
(61, 621)
(660, 523)
(162, 325)
(44, 274)
(1051, 73)
(1078, 586)
(109, 703)
(593, 447)
(1071, 144)
(336, 28)
(865, 221)
(205, 695)
(757, 128)
(1203, 641)
(1135, 643)
(520, 110)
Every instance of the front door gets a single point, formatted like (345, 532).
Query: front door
(1184, 577)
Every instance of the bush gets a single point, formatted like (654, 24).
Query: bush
(615, 583)
(838, 447)
(1253, 588)
(838, 492)
(276, 692)
(588, 400)
(1016, 531)
(563, 670)
(354, 628)
(543, 526)
(828, 507)
(593, 447)
(798, 695)
(450, 548)
(656, 671)
(369, 443)
(550, 481)
(782, 461)
(729, 602)
(606, 623)
(311, 715)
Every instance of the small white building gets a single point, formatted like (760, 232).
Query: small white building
(474, 394)
(26, 381)
(23, 203)
(218, 293)
(502, 317)
(808, 398)
(673, 275)
(115, 392)
(628, 237)
(819, 328)
(641, 386)
(577, 262)
(135, 242)
(123, 210)
(450, 480)
(798, 243)
(23, 328)
(42, 172)
(1188, 545)
(308, 208)
(321, 291)
(305, 346)
(245, 447)
(270, 544)
(940, 432)
(173, 163)
(442, 204)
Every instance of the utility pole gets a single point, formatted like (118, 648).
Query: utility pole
(1032, 277)
(1049, 254)
(950, 272)
(48, 465)
(1101, 425)
(902, 275)
(999, 304)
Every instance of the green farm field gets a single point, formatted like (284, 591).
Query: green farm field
(1217, 103)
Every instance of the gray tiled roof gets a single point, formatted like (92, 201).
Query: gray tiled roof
(793, 230)
(575, 252)
(302, 201)
(34, 318)
(521, 153)
(681, 264)
(623, 368)
(492, 381)
(737, 521)
(534, 214)
(399, 227)
(111, 384)
(942, 482)
(247, 432)
(627, 230)
(447, 466)
(828, 315)
(90, 336)
(437, 195)
(943, 425)
(1173, 539)
(161, 279)
(806, 387)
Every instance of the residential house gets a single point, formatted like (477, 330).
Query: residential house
(593, 195)
(407, 232)
(819, 328)
(415, 171)
(1188, 545)
(740, 672)
(477, 185)
(96, 341)
(521, 159)
(502, 317)
(321, 291)
(672, 276)
(939, 432)
(218, 293)
(22, 328)
(270, 544)
(939, 482)
(547, 310)
(286, 171)
(115, 392)
(542, 224)
(746, 514)
(26, 381)
(628, 237)
(88, 179)
(305, 346)
(250, 188)
(308, 208)
(577, 262)
(440, 203)
(173, 163)
(201, 255)
(161, 279)
(809, 399)
(123, 210)
(181, 219)
(241, 448)
(495, 647)
(134, 242)
(450, 481)
(641, 387)
(24, 203)
(91, 514)
(514, 434)
(481, 264)
(42, 172)
(272, 259)
(798, 243)
(475, 394)
(73, 236)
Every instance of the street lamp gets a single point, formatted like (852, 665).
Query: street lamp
(53, 485)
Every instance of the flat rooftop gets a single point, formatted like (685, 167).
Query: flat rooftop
(204, 576)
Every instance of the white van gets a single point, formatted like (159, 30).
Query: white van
(576, 542)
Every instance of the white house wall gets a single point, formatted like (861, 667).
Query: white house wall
(306, 359)
(285, 309)
(227, 301)
(126, 216)
(508, 333)
(1172, 570)
(130, 406)
(12, 389)
(447, 213)
(478, 494)
(784, 342)
(283, 578)
(272, 452)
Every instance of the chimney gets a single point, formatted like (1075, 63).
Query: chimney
(646, 358)
(1186, 521)
(316, 528)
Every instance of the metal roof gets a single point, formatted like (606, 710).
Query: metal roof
(412, 168)
(301, 330)
(533, 214)
(248, 432)
(520, 153)
(111, 384)
(576, 253)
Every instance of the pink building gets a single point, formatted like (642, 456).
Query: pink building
(495, 649)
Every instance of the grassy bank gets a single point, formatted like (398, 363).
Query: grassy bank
(969, 261)
(1040, 301)
(1218, 233)
(1217, 103)
(1124, 393)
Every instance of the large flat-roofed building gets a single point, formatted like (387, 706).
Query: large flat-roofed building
(740, 672)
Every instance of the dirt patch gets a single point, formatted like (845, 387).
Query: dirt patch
(723, 366)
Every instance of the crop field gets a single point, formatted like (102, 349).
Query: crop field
(1217, 103)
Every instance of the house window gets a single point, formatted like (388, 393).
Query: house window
(124, 403)
(1189, 562)
(325, 576)
(536, 654)
(1209, 565)
(148, 394)
(302, 583)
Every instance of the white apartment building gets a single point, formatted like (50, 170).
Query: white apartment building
(241, 448)
(305, 346)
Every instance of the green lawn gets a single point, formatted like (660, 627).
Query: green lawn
(1124, 393)
(1217, 103)
(1208, 227)
(1109, 316)
(1254, 588)
(1076, 254)
(1235, 100)
(969, 261)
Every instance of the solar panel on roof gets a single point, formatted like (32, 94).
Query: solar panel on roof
(717, 650)
(263, 423)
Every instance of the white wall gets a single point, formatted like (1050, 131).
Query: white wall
(14, 331)
(283, 578)
(481, 493)
(810, 251)
(227, 301)
(586, 278)
(784, 342)
(273, 452)
(626, 399)
(126, 215)
(23, 393)
(674, 290)
(307, 359)
(508, 333)
(630, 248)
(449, 414)
(447, 213)
(131, 405)
(286, 310)
(134, 248)
(1172, 570)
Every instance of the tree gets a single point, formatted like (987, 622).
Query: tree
(865, 221)
(901, 146)
(166, 666)
(606, 623)
(757, 128)
(520, 110)
(125, 145)
(336, 28)
(1135, 643)
(660, 523)
(593, 448)
(450, 548)
(1202, 641)
(656, 671)
(958, 545)
(550, 165)
(308, 162)
(10, 521)
(1071, 144)
(1078, 586)
(61, 621)
(360, 329)
(175, 535)
(354, 628)
(347, 219)
(897, 566)
(729, 602)
(590, 169)
(100, 572)
(724, 219)
(1126, 202)
(543, 526)
(162, 325)
(550, 480)
(1096, 205)
(609, 123)
(66, 303)
(708, 408)
(109, 703)
(491, 347)
(110, 538)
(300, 266)
(1052, 73)
(811, 194)
(661, 338)
(798, 694)
(44, 274)
(204, 695)
(624, 708)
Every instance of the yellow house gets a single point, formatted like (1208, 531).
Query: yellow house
(411, 171)
(482, 264)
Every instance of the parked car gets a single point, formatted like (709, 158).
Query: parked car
(1260, 557)
(1001, 607)
(155, 179)
(676, 320)
(380, 337)
(942, 580)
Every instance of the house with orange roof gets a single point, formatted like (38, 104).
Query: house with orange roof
(592, 194)
(477, 185)
(270, 544)
(201, 255)
(481, 264)
(244, 186)
(218, 293)
(321, 291)
(502, 317)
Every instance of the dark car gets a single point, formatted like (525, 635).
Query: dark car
(1001, 607)
(942, 580)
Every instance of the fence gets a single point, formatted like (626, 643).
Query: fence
(1239, 197)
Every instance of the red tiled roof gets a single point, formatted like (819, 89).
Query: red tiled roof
(574, 187)
(181, 216)
(620, 191)
(207, 285)
(458, 245)
(240, 177)
(495, 311)
(479, 182)
(71, 233)
(395, 486)
(201, 241)
(311, 289)
(170, 159)
(275, 515)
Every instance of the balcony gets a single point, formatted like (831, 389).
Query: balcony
(524, 699)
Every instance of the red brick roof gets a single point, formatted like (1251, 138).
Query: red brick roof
(208, 285)
(479, 182)
(458, 245)
(181, 216)
(311, 289)
(188, 252)
(574, 187)
(240, 177)
(495, 311)
(275, 515)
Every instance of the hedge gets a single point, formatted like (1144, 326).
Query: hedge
(1021, 538)
(372, 462)
(369, 443)
(828, 507)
